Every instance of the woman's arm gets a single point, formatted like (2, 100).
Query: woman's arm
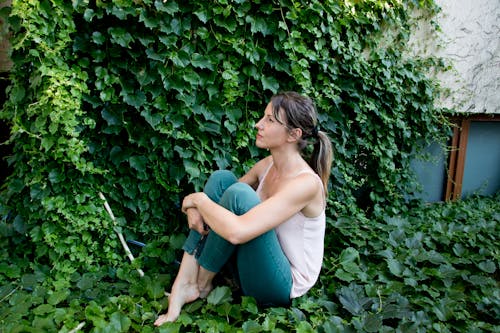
(267, 215)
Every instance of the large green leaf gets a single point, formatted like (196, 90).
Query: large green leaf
(219, 296)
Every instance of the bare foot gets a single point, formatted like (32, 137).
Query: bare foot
(181, 294)
(205, 291)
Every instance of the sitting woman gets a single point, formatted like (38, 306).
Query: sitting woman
(273, 216)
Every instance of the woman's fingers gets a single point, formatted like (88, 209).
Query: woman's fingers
(195, 221)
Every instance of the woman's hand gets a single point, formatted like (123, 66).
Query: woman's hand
(188, 202)
(195, 221)
(192, 200)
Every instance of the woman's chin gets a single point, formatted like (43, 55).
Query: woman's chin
(260, 145)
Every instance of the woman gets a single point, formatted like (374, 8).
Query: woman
(273, 216)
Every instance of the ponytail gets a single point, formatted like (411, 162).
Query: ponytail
(321, 158)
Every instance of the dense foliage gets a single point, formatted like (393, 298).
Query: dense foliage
(433, 269)
(140, 100)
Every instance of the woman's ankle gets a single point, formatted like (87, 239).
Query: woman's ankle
(205, 290)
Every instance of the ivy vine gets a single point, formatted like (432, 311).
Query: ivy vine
(141, 100)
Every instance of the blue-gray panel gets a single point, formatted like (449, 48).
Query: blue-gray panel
(431, 173)
(482, 160)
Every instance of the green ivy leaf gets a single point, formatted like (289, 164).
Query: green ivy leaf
(98, 38)
(249, 304)
(305, 327)
(487, 266)
(11, 271)
(168, 40)
(349, 255)
(150, 22)
(251, 326)
(47, 143)
(202, 15)
(136, 99)
(17, 94)
(176, 241)
(170, 327)
(153, 119)
(169, 7)
(258, 24)
(43, 309)
(373, 322)
(219, 296)
(118, 155)
(156, 289)
(86, 281)
(119, 322)
(269, 83)
(395, 267)
(200, 61)
(180, 59)
(191, 168)
(20, 225)
(139, 163)
(121, 37)
(111, 117)
(44, 324)
(352, 300)
(192, 78)
(58, 296)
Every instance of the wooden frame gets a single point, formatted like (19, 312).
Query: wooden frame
(456, 161)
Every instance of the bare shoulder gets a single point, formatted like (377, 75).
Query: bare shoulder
(304, 182)
(306, 190)
(261, 166)
(255, 173)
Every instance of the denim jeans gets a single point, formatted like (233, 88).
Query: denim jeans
(262, 267)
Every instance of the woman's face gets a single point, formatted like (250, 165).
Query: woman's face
(270, 131)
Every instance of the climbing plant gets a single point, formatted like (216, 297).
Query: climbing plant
(141, 100)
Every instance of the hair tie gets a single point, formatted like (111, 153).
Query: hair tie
(315, 131)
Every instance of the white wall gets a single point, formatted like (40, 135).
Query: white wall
(470, 41)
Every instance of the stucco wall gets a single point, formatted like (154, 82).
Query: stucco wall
(470, 41)
(5, 63)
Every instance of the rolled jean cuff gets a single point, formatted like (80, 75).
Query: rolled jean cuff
(192, 243)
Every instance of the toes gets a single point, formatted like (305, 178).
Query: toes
(161, 320)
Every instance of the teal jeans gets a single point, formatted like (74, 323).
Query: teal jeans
(262, 267)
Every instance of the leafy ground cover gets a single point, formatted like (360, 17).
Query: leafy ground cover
(433, 269)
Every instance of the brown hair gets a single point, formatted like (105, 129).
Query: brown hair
(300, 112)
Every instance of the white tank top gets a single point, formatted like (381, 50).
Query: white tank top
(302, 241)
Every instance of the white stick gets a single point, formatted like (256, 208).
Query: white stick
(79, 327)
(120, 236)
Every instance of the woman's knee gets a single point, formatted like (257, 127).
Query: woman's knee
(222, 174)
(218, 182)
(239, 198)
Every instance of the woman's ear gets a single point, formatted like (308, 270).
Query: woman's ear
(295, 134)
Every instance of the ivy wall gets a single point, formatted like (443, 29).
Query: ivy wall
(141, 100)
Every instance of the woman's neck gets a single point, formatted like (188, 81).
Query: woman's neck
(287, 162)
